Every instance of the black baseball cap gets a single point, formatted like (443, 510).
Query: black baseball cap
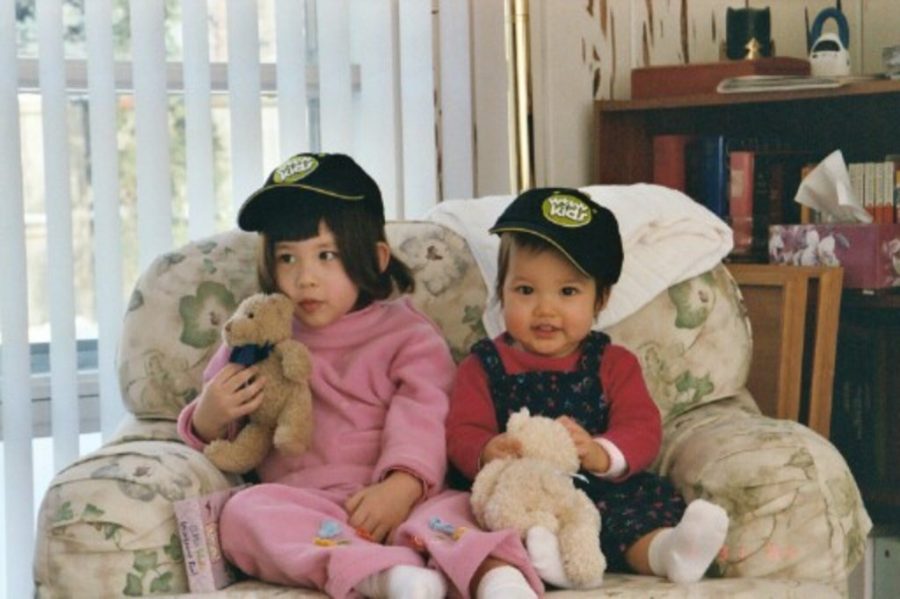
(305, 178)
(585, 232)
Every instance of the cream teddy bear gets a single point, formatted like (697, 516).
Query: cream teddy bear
(260, 332)
(537, 490)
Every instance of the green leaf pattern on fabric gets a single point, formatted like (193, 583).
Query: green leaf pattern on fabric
(692, 389)
(91, 512)
(209, 267)
(133, 586)
(144, 561)
(169, 381)
(147, 567)
(694, 299)
(63, 512)
(206, 247)
(173, 549)
(203, 314)
(147, 480)
(136, 300)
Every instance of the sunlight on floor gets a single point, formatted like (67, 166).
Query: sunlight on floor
(42, 449)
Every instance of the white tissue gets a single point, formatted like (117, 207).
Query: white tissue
(827, 189)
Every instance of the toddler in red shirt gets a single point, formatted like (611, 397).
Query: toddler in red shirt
(560, 255)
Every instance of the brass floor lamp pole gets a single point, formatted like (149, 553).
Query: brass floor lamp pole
(521, 138)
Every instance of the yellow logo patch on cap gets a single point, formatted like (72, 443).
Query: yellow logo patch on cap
(566, 210)
(294, 169)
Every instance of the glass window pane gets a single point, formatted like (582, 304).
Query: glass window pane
(82, 207)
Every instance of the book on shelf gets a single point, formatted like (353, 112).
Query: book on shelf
(869, 200)
(749, 182)
(762, 176)
(876, 186)
(895, 158)
(884, 198)
(888, 208)
(740, 200)
(669, 167)
(706, 159)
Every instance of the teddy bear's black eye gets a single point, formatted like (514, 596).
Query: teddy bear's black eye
(249, 314)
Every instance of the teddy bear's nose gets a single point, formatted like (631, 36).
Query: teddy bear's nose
(227, 327)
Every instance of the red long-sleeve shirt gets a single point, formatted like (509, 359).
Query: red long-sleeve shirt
(634, 425)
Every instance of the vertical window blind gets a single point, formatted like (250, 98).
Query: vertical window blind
(157, 118)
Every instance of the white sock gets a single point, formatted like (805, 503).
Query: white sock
(683, 553)
(504, 582)
(404, 582)
(543, 550)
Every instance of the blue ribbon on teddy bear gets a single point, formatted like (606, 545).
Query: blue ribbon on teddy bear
(250, 354)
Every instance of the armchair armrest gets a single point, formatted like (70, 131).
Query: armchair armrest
(107, 524)
(794, 507)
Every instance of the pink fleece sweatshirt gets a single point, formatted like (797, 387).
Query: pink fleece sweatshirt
(380, 381)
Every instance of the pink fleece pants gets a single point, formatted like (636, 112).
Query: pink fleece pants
(300, 537)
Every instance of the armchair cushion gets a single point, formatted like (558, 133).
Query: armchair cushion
(107, 526)
(693, 342)
(794, 507)
(174, 317)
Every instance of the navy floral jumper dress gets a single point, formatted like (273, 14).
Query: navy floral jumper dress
(629, 509)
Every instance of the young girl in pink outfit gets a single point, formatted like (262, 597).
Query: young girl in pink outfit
(560, 254)
(363, 511)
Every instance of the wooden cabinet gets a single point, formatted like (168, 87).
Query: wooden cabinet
(866, 405)
(861, 119)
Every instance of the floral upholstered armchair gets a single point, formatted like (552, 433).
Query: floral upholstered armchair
(797, 525)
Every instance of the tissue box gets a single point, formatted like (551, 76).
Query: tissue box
(869, 253)
(198, 527)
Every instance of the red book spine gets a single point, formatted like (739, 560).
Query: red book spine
(740, 199)
(669, 160)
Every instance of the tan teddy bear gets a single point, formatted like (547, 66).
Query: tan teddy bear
(260, 332)
(537, 490)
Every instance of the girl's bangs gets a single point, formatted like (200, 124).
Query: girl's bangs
(303, 222)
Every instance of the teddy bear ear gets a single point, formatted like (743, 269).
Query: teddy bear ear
(517, 419)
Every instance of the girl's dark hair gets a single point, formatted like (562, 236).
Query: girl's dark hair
(533, 243)
(356, 233)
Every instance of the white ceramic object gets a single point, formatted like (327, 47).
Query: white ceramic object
(829, 57)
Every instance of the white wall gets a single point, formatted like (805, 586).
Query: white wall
(585, 49)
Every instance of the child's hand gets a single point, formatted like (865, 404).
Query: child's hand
(380, 508)
(593, 457)
(231, 394)
(501, 446)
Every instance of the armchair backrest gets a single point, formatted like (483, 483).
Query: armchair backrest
(693, 340)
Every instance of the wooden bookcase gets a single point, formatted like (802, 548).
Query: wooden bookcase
(862, 119)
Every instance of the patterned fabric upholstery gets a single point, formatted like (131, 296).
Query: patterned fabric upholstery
(106, 526)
